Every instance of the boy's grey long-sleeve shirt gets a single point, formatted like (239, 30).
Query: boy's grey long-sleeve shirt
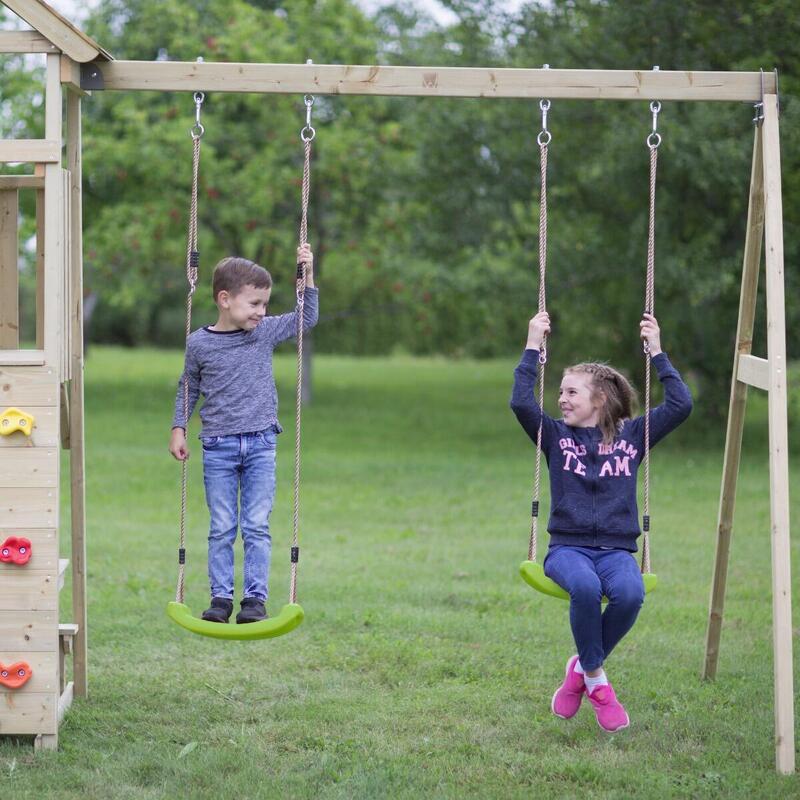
(233, 372)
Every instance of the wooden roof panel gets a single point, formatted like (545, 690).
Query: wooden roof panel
(72, 41)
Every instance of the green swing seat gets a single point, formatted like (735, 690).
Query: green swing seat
(290, 617)
(533, 574)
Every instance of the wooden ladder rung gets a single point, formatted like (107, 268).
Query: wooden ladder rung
(67, 631)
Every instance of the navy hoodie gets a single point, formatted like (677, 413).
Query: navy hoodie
(592, 485)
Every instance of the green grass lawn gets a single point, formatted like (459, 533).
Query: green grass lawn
(425, 666)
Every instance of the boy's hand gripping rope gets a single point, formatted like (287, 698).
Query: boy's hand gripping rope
(543, 140)
(192, 267)
(653, 141)
(306, 135)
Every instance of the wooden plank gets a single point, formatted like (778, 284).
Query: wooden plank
(71, 76)
(22, 358)
(29, 631)
(44, 551)
(40, 265)
(67, 631)
(77, 461)
(44, 432)
(66, 636)
(30, 590)
(26, 386)
(754, 371)
(778, 444)
(21, 182)
(65, 701)
(29, 467)
(736, 408)
(28, 508)
(28, 713)
(53, 263)
(25, 42)
(42, 151)
(63, 565)
(44, 670)
(53, 111)
(9, 269)
(424, 81)
(65, 283)
(65, 416)
(56, 29)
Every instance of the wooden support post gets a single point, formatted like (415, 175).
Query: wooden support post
(733, 438)
(9, 270)
(77, 457)
(40, 265)
(64, 422)
(53, 218)
(778, 444)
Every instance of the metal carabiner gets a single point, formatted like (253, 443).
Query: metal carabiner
(654, 138)
(197, 130)
(308, 133)
(544, 138)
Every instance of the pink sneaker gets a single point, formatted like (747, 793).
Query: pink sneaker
(611, 716)
(567, 699)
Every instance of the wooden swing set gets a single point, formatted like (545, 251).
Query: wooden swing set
(41, 389)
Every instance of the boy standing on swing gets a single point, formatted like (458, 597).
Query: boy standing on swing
(230, 364)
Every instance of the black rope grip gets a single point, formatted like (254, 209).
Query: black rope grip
(194, 259)
(295, 555)
(535, 508)
(181, 555)
(646, 525)
(300, 271)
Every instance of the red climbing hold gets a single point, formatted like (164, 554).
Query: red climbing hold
(15, 675)
(15, 550)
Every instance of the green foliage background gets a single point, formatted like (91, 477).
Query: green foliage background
(425, 211)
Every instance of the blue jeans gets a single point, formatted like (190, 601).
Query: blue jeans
(588, 573)
(239, 470)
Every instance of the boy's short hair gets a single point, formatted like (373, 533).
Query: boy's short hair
(232, 274)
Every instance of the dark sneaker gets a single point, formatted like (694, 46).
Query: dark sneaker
(220, 611)
(252, 610)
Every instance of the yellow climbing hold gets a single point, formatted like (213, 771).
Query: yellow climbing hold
(12, 419)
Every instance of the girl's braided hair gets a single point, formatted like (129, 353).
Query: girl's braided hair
(620, 397)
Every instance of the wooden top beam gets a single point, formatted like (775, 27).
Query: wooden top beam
(428, 81)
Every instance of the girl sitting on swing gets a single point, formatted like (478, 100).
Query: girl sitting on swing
(593, 454)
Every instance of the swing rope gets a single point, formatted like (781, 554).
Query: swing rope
(532, 572)
(543, 139)
(653, 141)
(291, 615)
(307, 135)
(192, 266)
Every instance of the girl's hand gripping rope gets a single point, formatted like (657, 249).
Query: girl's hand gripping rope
(538, 328)
(651, 333)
